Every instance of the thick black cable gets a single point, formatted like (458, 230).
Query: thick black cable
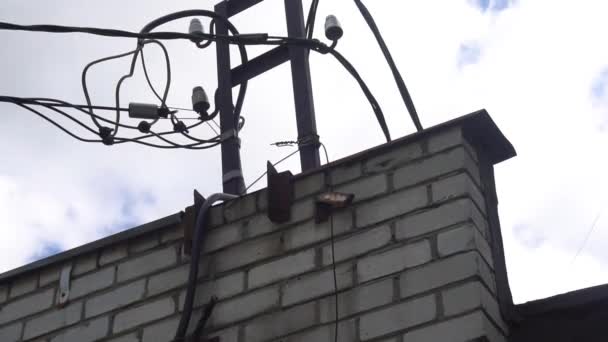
(231, 28)
(55, 124)
(368, 94)
(198, 241)
(246, 39)
(118, 140)
(163, 99)
(310, 21)
(84, 80)
(405, 95)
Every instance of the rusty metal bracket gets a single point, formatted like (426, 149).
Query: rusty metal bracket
(189, 220)
(327, 202)
(280, 194)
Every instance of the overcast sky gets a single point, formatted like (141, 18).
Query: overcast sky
(539, 67)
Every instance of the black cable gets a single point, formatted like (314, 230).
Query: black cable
(368, 94)
(198, 241)
(247, 39)
(405, 95)
(231, 28)
(163, 100)
(333, 257)
(84, 81)
(310, 21)
(56, 124)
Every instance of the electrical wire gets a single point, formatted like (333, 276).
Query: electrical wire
(265, 172)
(591, 229)
(236, 38)
(333, 257)
(405, 95)
(310, 21)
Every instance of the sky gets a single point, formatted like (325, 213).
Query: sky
(539, 67)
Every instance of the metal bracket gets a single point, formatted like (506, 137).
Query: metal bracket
(280, 194)
(326, 203)
(64, 285)
(189, 221)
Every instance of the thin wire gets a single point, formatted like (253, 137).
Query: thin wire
(265, 172)
(333, 255)
(591, 229)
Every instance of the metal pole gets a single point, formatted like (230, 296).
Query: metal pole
(302, 88)
(232, 174)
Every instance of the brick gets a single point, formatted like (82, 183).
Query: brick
(309, 185)
(112, 254)
(261, 224)
(390, 206)
(92, 282)
(347, 332)
(11, 333)
(262, 199)
(173, 278)
(172, 234)
(344, 173)
(47, 275)
(168, 280)
(446, 139)
(84, 264)
(126, 338)
(226, 335)
(455, 186)
(223, 236)
(397, 317)
(53, 320)
(431, 220)
(436, 165)
(281, 323)
(224, 287)
(317, 284)
(26, 306)
(464, 238)
(311, 233)
(143, 314)
(282, 268)
(366, 187)
(356, 245)
(357, 300)
(394, 260)
(143, 243)
(216, 215)
(24, 285)
(86, 332)
(396, 157)
(146, 264)
(247, 253)
(119, 297)
(471, 327)
(470, 296)
(443, 272)
(163, 331)
(245, 306)
(241, 207)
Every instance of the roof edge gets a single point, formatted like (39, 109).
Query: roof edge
(97, 244)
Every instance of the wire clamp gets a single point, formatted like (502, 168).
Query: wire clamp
(64, 285)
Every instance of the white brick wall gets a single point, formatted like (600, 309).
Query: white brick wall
(413, 263)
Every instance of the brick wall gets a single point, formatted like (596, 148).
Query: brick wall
(414, 262)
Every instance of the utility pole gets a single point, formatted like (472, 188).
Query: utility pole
(228, 78)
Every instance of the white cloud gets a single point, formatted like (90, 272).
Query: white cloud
(537, 64)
